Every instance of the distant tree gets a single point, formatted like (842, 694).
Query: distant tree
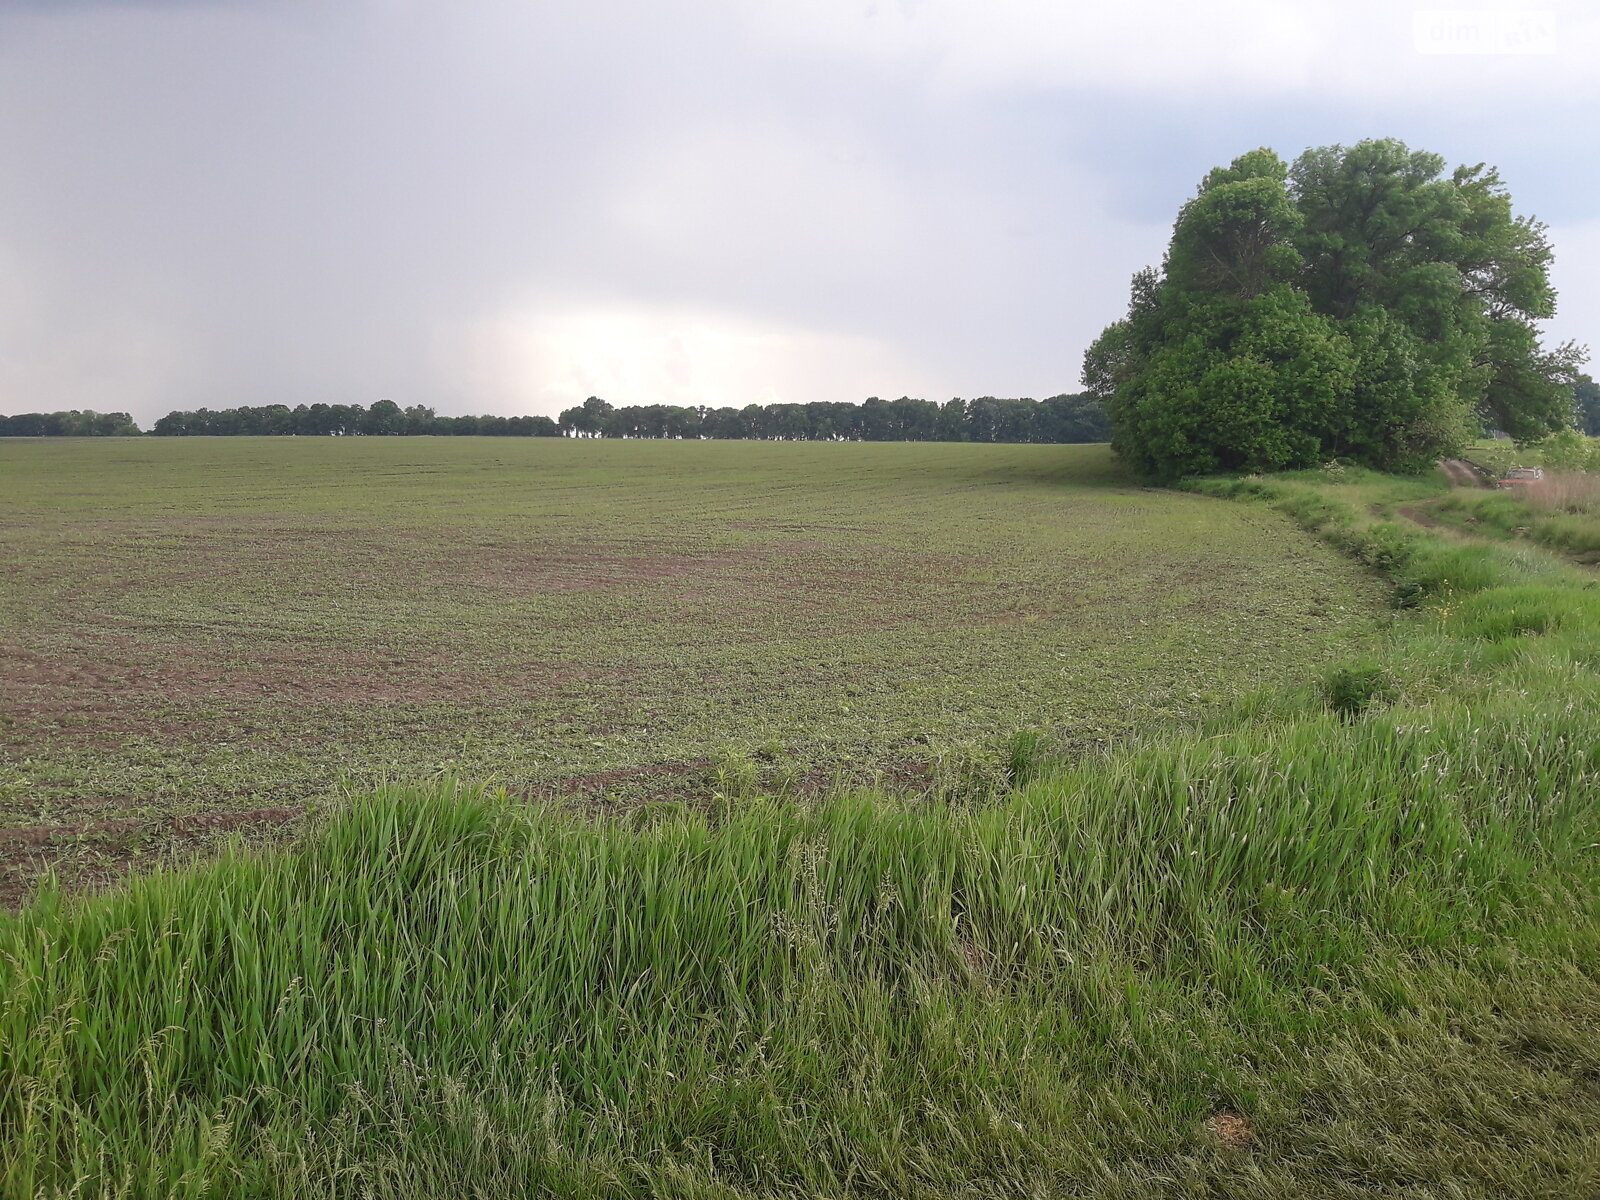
(877, 420)
(313, 420)
(587, 420)
(266, 420)
(952, 423)
(75, 423)
(1586, 395)
(1073, 419)
(532, 427)
(753, 422)
(382, 418)
(722, 423)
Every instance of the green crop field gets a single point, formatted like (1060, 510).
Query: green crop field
(1269, 870)
(203, 634)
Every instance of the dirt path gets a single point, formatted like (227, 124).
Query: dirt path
(1462, 473)
(1426, 520)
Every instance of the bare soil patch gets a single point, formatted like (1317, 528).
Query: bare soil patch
(100, 692)
(587, 570)
(86, 854)
(1232, 1130)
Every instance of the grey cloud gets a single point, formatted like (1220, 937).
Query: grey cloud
(216, 203)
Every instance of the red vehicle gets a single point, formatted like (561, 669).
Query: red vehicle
(1518, 477)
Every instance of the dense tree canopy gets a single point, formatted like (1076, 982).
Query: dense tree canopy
(77, 423)
(1587, 395)
(1359, 304)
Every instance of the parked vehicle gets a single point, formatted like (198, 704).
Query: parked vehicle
(1518, 477)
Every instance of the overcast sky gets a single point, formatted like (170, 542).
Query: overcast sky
(508, 205)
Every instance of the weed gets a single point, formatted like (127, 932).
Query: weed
(1350, 691)
(1023, 752)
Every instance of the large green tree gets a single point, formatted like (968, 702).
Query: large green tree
(1221, 363)
(1360, 304)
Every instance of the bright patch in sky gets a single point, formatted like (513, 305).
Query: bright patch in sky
(554, 357)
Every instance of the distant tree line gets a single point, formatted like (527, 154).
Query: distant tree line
(77, 423)
(384, 418)
(1059, 419)
(987, 419)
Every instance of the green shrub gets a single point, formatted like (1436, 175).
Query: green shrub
(1571, 533)
(1350, 691)
(1567, 450)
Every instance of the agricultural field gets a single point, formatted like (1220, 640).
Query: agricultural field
(203, 635)
(1335, 938)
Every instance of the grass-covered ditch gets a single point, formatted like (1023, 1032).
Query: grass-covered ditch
(1356, 922)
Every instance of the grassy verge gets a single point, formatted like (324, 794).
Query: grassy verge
(1561, 512)
(1355, 925)
(1489, 615)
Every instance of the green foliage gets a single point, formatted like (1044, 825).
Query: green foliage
(1258, 405)
(1350, 691)
(1586, 399)
(1569, 450)
(1024, 751)
(1404, 410)
(1359, 305)
(383, 418)
(1529, 391)
(1058, 419)
(77, 423)
(1224, 366)
(1232, 240)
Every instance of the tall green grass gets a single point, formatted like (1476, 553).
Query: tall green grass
(1371, 929)
(1559, 512)
(862, 996)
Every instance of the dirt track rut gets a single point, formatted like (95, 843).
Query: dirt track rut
(1462, 473)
